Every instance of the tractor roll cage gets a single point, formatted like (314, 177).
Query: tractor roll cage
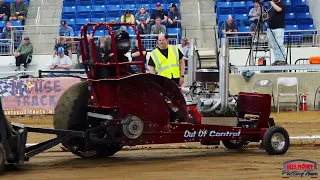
(84, 46)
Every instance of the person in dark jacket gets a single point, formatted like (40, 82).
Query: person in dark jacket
(4, 11)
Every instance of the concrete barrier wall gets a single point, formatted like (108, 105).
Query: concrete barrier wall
(308, 82)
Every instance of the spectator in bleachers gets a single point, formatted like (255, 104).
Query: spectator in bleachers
(159, 12)
(66, 46)
(61, 62)
(229, 26)
(174, 17)
(18, 10)
(143, 27)
(158, 28)
(65, 30)
(127, 17)
(23, 54)
(254, 15)
(142, 13)
(79, 56)
(135, 53)
(4, 11)
(6, 32)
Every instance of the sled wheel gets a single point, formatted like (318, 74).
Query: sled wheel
(234, 144)
(2, 158)
(276, 141)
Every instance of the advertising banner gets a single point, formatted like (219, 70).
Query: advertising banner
(33, 96)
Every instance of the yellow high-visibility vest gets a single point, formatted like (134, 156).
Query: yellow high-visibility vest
(167, 67)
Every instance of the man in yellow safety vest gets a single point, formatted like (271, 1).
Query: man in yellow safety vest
(167, 60)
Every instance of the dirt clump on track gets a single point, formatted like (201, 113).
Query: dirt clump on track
(172, 161)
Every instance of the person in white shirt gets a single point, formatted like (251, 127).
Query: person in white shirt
(184, 48)
(61, 62)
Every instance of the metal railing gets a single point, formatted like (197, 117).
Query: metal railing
(149, 41)
(298, 38)
(45, 37)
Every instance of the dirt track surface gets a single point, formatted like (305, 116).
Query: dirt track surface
(174, 161)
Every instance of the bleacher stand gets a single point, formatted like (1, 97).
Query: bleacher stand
(19, 21)
(79, 12)
(297, 15)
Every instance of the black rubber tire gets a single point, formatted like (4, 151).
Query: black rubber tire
(231, 145)
(71, 114)
(2, 158)
(71, 109)
(266, 140)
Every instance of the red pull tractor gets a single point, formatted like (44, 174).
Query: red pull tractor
(97, 117)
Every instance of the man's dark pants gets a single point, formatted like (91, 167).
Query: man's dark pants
(22, 59)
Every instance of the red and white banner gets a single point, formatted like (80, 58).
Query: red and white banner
(33, 96)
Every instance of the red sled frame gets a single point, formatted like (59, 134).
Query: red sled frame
(157, 129)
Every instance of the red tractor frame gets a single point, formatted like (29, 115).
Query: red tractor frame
(97, 117)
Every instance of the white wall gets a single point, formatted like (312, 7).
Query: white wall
(314, 10)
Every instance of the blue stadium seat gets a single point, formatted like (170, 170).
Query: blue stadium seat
(154, 2)
(69, 3)
(99, 2)
(98, 8)
(146, 6)
(243, 29)
(240, 7)
(291, 27)
(71, 9)
(82, 21)
(224, 8)
(287, 3)
(84, 3)
(98, 19)
(2, 24)
(173, 30)
(71, 22)
(131, 32)
(112, 8)
(301, 9)
(112, 2)
(128, 2)
(99, 33)
(98, 14)
(76, 33)
(114, 14)
(299, 2)
(117, 19)
(130, 7)
(83, 15)
(290, 16)
(83, 8)
(143, 1)
(306, 27)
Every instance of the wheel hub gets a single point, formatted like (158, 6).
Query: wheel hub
(132, 127)
(278, 141)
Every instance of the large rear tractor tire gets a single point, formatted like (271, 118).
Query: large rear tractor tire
(71, 114)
